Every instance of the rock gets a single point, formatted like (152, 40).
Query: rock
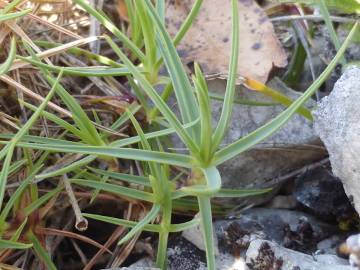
(323, 195)
(337, 123)
(330, 245)
(287, 149)
(182, 254)
(352, 247)
(195, 236)
(263, 254)
(142, 264)
(132, 268)
(292, 229)
(283, 202)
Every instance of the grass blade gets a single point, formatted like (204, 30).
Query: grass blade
(4, 67)
(125, 153)
(112, 28)
(134, 179)
(156, 98)
(184, 226)
(141, 224)
(14, 15)
(41, 252)
(11, 145)
(182, 87)
(226, 112)
(122, 222)
(116, 189)
(277, 96)
(7, 244)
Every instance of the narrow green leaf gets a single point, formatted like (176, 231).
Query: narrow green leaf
(94, 71)
(123, 222)
(133, 108)
(19, 231)
(14, 197)
(71, 167)
(182, 87)
(57, 120)
(125, 153)
(112, 28)
(14, 15)
(205, 114)
(134, 179)
(116, 189)
(158, 101)
(42, 200)
(188, 22)
(141, 224)
(79, 116)
(11, 145)
(4, 67)
(240, 193)
(226, 111)
(80, 52)
(7, 244)
(184, 226)
(40, 251)
(240, 101)
(10, 6)
(277, 96)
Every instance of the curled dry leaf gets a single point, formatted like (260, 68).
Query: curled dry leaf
(208, 41)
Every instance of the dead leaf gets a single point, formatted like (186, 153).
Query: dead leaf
(208, 41)
(122, 10)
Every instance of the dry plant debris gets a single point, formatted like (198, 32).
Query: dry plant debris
(208, 40)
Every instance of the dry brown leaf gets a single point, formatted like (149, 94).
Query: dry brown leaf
(122, 10)
(208, 42)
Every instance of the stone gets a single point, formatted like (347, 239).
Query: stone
(283, 202)
(293, 229)
(263, 254)
(195, 236)
(323, 195)
(337, 121)
(352, 247)
(330, 245)
(292, 147)
(182, 254)
(132, 268)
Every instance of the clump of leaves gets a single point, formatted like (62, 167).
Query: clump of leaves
(157, 187)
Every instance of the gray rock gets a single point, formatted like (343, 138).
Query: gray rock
(283, 202)
(353, 248)
(182, 254)
(329, 245)
(132, 268)
(195, 236)
(293, 229)
(143, 264)
(323, 195)
(263, 254)
(337, 121)
(289, 148)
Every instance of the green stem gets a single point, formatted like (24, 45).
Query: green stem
(207, 230)
(161, 255)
